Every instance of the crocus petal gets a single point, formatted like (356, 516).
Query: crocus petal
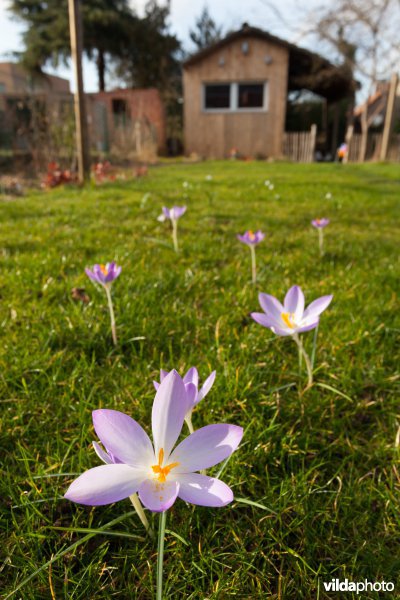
(100, 277)
(178, 211)
(307, 327)
(282, 331)
(318, 306)
(166, 212)
(163, 374)
(169, 409)
(105, 484)
(157, 496)
(264, 320)
(156, 385)
(203, 490)
(209, 382)
(192, 376)
(123, 437)
(294, 302)
(91, 275)
(191, 395)
(270, 305)
(106, 458)
(206, 447)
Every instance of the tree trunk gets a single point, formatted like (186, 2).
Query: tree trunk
(101, 70)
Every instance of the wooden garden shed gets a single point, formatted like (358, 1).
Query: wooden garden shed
(235, 92)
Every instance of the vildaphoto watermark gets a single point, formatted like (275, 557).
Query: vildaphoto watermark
(337, 585)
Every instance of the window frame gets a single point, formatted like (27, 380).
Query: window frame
(215, 83)
(234, 97)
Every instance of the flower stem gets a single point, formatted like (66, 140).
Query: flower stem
(188, 420)
(175, 234)
(321, 241)
(160, 553)
(306, 359)
(139, 509)
(314, 348)
(253, 264)
(112, 316)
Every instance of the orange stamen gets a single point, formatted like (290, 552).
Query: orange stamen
(103, 269)
(162, 472)
(288, 319)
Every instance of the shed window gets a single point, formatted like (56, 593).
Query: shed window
(236, 96)
(251, 95)
(217, 96)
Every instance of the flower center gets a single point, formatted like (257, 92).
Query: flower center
(318, 221)
(252, 236)
(161, 471)
(104, 269)
(288, 319)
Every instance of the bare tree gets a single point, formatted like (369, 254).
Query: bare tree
(362, 35)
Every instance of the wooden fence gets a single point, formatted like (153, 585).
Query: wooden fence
(374, 143)
(299, 146)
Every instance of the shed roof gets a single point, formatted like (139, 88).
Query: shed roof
(307, 70)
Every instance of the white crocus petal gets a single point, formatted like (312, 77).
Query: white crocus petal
(169, 410)
(161, 218)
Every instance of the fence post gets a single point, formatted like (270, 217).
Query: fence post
(82, 136)
(387, 128)
(348, 138)
(313, 139)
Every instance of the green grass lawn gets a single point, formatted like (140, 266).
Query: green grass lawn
(316, 478)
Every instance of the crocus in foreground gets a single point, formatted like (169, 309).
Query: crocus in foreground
(251, 239)
(291, 319)
(105, 275)
(159, 473)
(173, 214)
(320, 224)
(194, 395)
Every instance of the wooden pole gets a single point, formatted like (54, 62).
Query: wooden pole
(348, 139)
(387, 128)
(82, 137)
(313, 139)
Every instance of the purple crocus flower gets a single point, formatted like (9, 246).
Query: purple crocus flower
(320, 223)
(173, 213)
(104, 274)
(194, 395)
(161, 473)
(251, 238)
(291, 318)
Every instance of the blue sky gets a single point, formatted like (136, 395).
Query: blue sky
(229, 13)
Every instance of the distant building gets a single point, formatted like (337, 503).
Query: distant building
(235, 92)
(128, 122)
(15, 81)
(127, 119)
